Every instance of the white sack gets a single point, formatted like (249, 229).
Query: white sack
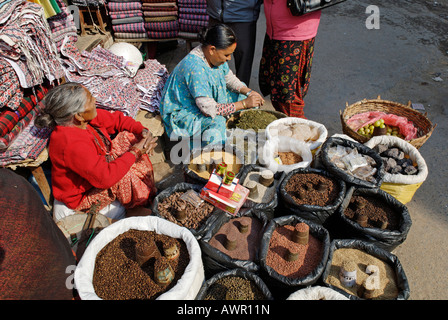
(282, 144)
(322, 131)
(317, 293)
(186, 288)
(407, 148)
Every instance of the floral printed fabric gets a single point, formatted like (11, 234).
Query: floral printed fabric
(284, 74)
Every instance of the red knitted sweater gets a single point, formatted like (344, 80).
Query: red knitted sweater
(77, 164)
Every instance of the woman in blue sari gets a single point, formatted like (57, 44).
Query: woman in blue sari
(202, 90)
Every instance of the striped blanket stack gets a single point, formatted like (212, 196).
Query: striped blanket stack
(161, 18)
(127, 19)
(193, 17)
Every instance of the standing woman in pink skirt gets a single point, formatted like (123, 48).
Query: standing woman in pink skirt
(288, 49)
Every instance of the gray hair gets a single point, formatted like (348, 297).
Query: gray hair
(61, 104)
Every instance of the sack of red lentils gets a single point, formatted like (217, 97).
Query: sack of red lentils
(293, 254)
(233, 242)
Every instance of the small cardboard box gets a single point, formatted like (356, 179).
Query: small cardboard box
(229, 198)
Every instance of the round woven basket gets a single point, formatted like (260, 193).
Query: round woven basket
(421, 121)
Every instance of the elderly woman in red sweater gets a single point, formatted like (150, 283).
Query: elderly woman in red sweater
(88, 167)
(288, 49)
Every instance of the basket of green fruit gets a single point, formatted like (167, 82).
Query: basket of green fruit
(367, 118)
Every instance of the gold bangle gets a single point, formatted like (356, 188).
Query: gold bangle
(244, 104)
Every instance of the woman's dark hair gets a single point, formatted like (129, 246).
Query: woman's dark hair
(220, 35)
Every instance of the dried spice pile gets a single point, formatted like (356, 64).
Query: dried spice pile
(388, 288)
(234, 288)
(247, 242)
(288, 158)
(195, 216)
(312, 189)
(309, 255)
(255, 120)
(379, 213)
(118, 276)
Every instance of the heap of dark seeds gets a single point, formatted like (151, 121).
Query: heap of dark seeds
(234, 288)
(304, 189)
(118, 276)
(378, 212)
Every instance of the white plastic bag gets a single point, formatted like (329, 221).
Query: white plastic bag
(317, 293)
(186, 288)
(282, 144)
(272, 132)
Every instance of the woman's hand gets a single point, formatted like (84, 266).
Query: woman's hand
(145, 145)
(254, 100)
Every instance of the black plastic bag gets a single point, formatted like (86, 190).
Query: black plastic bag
(182, 187)
(384, 255)
(383, 238)
(347, 177)
(266, 207)
(316, 214)
(214, 259)
(192, 177)
(237, 273)
(280, 283)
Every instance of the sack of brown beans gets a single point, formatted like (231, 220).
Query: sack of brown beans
(233, 242)
(182, 205)
(361, 270)
(372, 215)
(317, 293)
(235, 284)
(312, 194)
(405, 167)
(203, 161)
(117, 261)
(352, 162)
(293, 254)
(262, 184)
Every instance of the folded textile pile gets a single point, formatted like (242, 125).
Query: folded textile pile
(193, 17)
(102, 72)
(19, 139)
(161, 18)
(29, 65)
(127, 19)
(62, 24)
(26, 43)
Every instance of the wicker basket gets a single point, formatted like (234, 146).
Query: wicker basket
(421, 122)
